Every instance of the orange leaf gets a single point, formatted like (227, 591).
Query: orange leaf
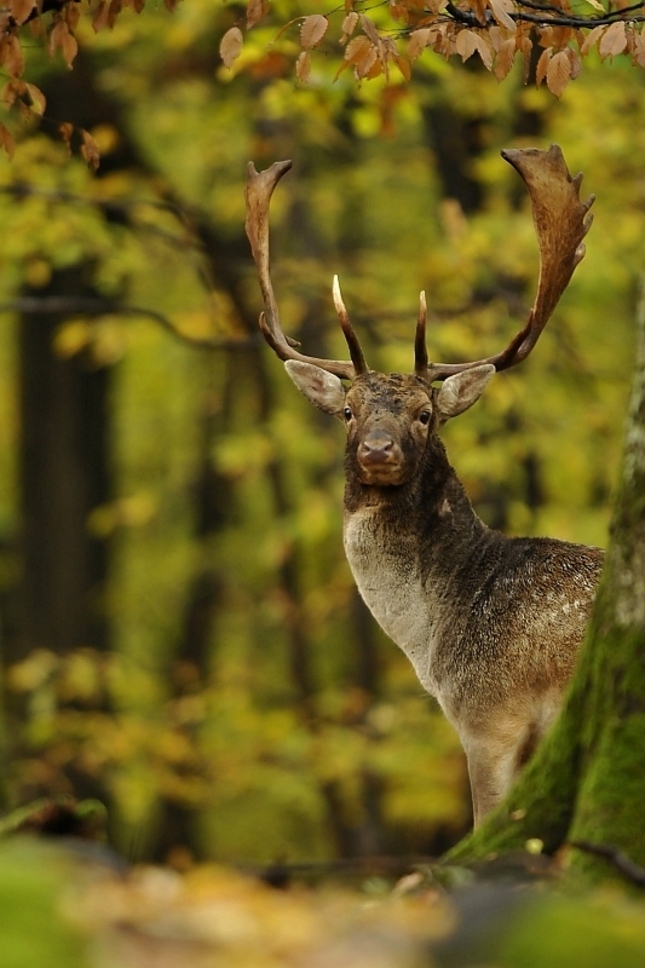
(230, 46)
(613, 41)
(313, 30)
(558, 73)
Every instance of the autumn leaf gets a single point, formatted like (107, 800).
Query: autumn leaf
(100, 19)
(7, 142)
(89, 149)
(312, 30)
(592, 38)
(230, 46)
(418, 42)
(613, 41)
(543, 65)
(303, 67)
(466, 44)
(61, 39)
(255, 11)
(558, 73)
(38, 99)
(361, 54)
(349, 26)
(21, 10)
(502, 9)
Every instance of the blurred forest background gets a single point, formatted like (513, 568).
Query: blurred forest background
(181, 636)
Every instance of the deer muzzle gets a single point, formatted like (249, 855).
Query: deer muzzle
(379, 457)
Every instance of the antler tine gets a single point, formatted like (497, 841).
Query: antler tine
(420, 348)
(259, 189)
(353, 344)
(561, 223)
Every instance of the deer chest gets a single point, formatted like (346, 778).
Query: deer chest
(386, 570)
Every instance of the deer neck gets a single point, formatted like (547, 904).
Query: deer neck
(406, 546)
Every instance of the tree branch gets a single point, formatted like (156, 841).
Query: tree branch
(80, 306)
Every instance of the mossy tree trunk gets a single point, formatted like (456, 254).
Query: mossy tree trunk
(587, 780)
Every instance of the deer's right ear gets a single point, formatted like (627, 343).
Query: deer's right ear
(322, 389)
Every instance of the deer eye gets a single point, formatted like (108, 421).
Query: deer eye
(347, 413)
(424, 416)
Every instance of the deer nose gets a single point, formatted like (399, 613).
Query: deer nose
(378, 447)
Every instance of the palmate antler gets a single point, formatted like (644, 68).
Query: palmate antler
(561, 222)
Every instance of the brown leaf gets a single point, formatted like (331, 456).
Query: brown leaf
(613, 41)
(485, 51)
(89, 149)
(501, 12)
(403, 65)
(418, 42)
(591, 39)
(66, 130)
(505, 58)
(542, 65)
(230, 46)
(558, 73)
(60, 38)
(21, 10)
(349, 26)
(38, 99)
(303, 67)
(7, 141)
(369, 28)
(466, 43)
(255, 11)
(12, 56)
(638, 53)
(313, 30)
(101, 16)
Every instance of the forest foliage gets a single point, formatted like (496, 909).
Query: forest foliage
(226, 693)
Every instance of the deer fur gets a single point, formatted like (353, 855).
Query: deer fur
(491, 624)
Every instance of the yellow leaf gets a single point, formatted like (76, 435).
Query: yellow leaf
(613, 41)
(313, 30)
(558, 73)
(230, 46)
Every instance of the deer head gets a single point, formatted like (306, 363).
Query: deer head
(389, 417)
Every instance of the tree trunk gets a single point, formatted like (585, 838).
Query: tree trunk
(586, 784)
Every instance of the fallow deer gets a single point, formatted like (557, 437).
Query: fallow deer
(491, 623)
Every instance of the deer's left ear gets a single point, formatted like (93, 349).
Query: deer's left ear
(322, 389)
(460, 391)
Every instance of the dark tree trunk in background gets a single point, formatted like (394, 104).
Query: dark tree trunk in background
(63, 477)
